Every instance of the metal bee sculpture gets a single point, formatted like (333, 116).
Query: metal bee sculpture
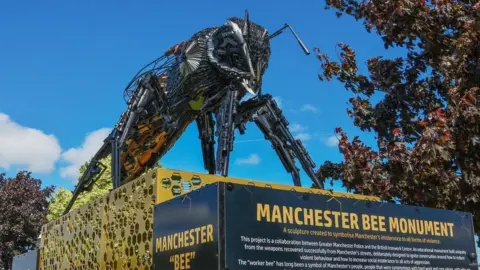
(202, 79)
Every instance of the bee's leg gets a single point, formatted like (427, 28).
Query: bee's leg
(225, 129)
(115, 163)
(206, 128)
(274, 126)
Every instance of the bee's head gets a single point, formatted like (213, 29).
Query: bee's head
(241, 49)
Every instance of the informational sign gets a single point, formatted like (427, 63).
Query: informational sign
(186, 232)
(267, 228)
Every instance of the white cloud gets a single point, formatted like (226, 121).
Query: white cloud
(309, 108)
(77, 156)
(331, 141)
(29, 147)
(253, 159)
(278, 100)
(303, 136)
(297, 127)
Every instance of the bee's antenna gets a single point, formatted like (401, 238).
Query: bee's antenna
(278, 32)
(246, 28)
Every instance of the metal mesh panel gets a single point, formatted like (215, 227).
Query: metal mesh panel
(113, 232)
(72, 241)
(128, 225)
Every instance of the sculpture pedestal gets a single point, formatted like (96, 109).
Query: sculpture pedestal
(237, 226)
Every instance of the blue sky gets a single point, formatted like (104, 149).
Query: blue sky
(64, 65)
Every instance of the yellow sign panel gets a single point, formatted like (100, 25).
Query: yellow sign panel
(172, 183)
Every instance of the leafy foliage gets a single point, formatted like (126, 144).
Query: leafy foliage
(427, 123)
(24, 208)
(62, 197)
(58, 203)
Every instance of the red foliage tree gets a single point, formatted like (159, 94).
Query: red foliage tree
(427, 124)
(23, 205)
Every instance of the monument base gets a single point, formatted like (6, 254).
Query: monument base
(239, 226)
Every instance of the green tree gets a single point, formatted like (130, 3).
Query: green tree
(63, 196)
(58, 203)
(102, 186)
(427, 122)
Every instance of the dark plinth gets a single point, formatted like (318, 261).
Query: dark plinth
(234, 226)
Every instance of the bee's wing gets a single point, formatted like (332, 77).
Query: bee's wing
(193, 55)
(157, 67)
